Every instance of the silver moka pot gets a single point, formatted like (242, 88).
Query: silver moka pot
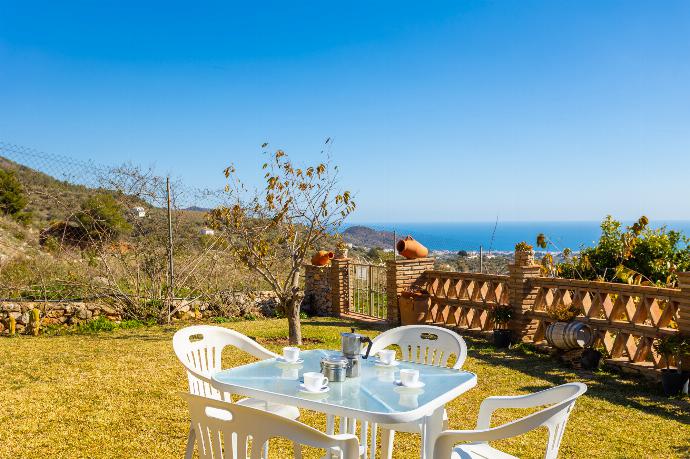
(352, 351)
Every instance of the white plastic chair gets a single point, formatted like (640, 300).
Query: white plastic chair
(223, 430)
(425, 344)
(554, 418)
(202, 358)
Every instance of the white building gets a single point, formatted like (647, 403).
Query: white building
(207, 232)
(139, 212)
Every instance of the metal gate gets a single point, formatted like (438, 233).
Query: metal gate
(368, 290)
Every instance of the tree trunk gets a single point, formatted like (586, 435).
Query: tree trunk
(292, 311)
(294, 324)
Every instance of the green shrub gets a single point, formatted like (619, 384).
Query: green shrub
(12, 197)
(102, 218)
(98, 324)
(633, 255)
(103, 324)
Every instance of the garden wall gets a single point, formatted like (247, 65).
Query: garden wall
(230, 305)
(626, 319)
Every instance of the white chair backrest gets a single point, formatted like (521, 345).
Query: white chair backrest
(200, 347)
(223, 430)
(555, 417)
(425, 344)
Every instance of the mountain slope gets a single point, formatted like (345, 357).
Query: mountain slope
(363, 236)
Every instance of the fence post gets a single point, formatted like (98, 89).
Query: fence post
(340, 286)
(684, 304)
(400, 274)
(522, 294)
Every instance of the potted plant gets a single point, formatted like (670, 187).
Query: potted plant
(501, 315)
(524, 254)
(341, 250)
(414, 305)
(670, 347)
(591, 356)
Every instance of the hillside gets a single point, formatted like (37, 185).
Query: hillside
(363, 236)
(50, 199)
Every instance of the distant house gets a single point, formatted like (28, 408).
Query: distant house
(207, 232)
(139, 212)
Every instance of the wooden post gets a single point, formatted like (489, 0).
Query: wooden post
(171, 268)
(481, 259)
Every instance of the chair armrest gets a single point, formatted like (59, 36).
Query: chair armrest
(447, 440)
(545, 397)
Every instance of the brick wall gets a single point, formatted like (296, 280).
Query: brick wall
(400, 274)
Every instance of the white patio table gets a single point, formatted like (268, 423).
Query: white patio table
(373, 398)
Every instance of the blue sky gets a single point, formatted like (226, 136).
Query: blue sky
(440, 111)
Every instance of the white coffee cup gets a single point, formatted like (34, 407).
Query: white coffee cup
(291, 354)
(409, 377)
(387, 356)
(314, 382)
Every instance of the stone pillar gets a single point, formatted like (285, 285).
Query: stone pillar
(522, 294)
(317, 289)
(340, 286)
(684, 304)
(400, 274)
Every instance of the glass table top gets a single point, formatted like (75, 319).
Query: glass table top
(374, 391)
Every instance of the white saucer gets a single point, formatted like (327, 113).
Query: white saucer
(287, 362)
(303, 389)
(419, 385)
(379, 363)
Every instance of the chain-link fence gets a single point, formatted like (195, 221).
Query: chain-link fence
(121, 232)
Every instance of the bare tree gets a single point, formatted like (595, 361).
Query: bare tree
(271, 230)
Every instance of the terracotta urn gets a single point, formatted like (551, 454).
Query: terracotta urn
(411, 249)
(322, 258)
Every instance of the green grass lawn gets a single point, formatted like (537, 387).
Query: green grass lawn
(115, 394)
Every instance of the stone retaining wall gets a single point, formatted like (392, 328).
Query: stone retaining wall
(52, 313)
(230, 305)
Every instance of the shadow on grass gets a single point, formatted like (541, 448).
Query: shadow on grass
(347, 324)
(631, 392)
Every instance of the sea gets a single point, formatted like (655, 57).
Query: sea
(502, 236)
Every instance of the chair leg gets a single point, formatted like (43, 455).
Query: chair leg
(265, 453)
(387, 437)
(296, 451)
(330, 430)
(364, 438)
(372, 450)
(191, 438)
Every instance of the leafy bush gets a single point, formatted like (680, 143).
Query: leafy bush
(523, 247)
(673, 346)
(634, 255)
(501, 315)
(102, 218)
(12, 197)
(103, 324)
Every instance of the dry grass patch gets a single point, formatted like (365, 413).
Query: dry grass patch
(115, 394)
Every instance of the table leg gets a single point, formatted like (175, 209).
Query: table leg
(431, 428)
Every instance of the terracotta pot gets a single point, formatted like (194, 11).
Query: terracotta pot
(414, 310)
(411, 249)
(322, 258)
